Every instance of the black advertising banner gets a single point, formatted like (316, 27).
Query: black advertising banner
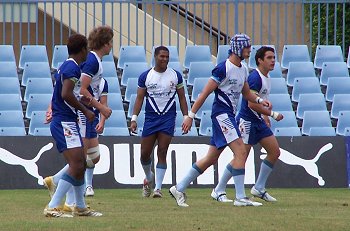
(306, 162)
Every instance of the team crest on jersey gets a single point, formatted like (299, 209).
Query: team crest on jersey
(152, 86)
(232, 81)
(68, 133)
(172, 84)
(224, 129)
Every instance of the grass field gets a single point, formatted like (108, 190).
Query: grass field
(124, 209)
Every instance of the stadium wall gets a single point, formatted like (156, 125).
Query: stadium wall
(305, 162)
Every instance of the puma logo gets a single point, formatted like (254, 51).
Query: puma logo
(29, 165)
(309, 165)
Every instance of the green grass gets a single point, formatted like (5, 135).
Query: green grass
(124, 209)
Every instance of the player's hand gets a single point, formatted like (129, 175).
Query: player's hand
(186, 124)
(90, 116)
(106, 111)
(279, 117)
(267, 104)
(133, 127)
(48, 116)
(100, 127)
(86, 100)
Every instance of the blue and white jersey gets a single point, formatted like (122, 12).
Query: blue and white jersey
(261, 85)
(161, 90)
(230, 79)
(61, 110)
(103, 90)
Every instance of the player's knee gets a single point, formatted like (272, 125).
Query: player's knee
(92, 157)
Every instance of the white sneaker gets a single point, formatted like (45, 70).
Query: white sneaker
(245, 202)
(89, 191)
(146, 188)
(157, 193)
(178, 196)
(262, 195)
(220, 197)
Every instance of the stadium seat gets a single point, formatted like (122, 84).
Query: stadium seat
(42, 132)
(173, 55)
(109, 70)
(348, 59)
(131, 88)
(276, 72)
(315, 119)
(10, 86)
(115, 131)
(37, 121)
(310, 102)
(305, 85)
(198, 86)
(294, 53)
(337, 85)
(131, 105)
(38, 86)
(8, 70)
(343, 122)
(333, 69)
(60, 54)
(322, 131)
(347, 131)
(278, 86)
(289, 121)
(113, 85)
(108, 58)
(178, 109)
(209, 131)
(299, 70)
(200, 53)
(32, 53)
(115, 101)
(117, 119)
(11, 119)
(10, 102)
(35, 70)
(290, 131)
(327, 53)
(281, 102)
(12, 131)
(341, 102)
(7, 54)
(37, 102)
(205, 123)
(222, 53)
(254, 48)
(207, 106)
(192, 132)
(132, 70)
(129, 54)
(176, 66)
(199, 70)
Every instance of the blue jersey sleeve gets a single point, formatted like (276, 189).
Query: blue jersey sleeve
(105, 88)
(91, 66)
(142, 79)
(180, 82)
(219, 72)
(254, 81)
(70, 71)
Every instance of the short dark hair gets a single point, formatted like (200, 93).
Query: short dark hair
(100, 36)
(260, 53)
(76, 43)
(160, 48)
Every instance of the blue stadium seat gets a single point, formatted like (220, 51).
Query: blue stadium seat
(108, 58)
(278, 86)
(12, 131)
(173, 55)
(35, 70)
(131, 105)
(310, 102)
(205, 123)
(337, 85)
(348, 59)
(7, 54)
(199, 70)
(10, 102)
(132, 70)
(333, 69)
(343, 122)
(289, 121)
(222, 53)
(176, 66)
(131, 88)
(60, 54)
(10, 86)
(305, 85)
(129, 54)
(207, 105)
(178, 109)
(281, 102)
(277, 71)
(209, 132)
(294, 53)
(192, 132)
(198, 86)
(37, 102)
(287, 131)
(322, 131)
(37, 121)
(299, 70)
(8, 69)
(347, 131)
(341, 102)
(115, 101)
(38, 86)
(327, 53)
(115, 131)
(11, 119)
(315, 119)
(42, 132)
(200, 53)
(109, 70)
(117, 119)
(113, 85)
(32, 53)
(254, 48)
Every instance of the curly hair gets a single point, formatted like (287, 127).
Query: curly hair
(100, 36)
(76, 43)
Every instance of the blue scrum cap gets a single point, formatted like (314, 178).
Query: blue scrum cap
(238, 42)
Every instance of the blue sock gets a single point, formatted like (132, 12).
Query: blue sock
(89, 173)
(147, 169)
(70, 197)
(79, 196)
(225, 177)
(265, 170)
(191, 176)
(238, 177)
(62, 188)
(59, 175)
(160, 172)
